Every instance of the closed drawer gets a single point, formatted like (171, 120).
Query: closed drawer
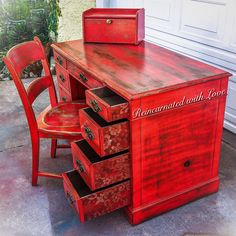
(83, 76)
(105, 138)
(97, 172)
(60, 60)
(90, 204)
(107, 104)
(65, 96)
(63, 77)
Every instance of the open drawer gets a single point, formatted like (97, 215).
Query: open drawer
(105, 138)
(97, 172)
(90, 204)
(107, 104)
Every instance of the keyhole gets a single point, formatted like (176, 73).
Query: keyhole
(187, 163)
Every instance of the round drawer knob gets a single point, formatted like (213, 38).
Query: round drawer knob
(187, 163)
(108, 21)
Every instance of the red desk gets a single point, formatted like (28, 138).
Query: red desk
(176, 111)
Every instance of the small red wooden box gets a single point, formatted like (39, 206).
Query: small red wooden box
(113, 25)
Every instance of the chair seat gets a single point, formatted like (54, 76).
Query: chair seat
(61, 121)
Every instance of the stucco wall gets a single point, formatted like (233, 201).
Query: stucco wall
(70, 23)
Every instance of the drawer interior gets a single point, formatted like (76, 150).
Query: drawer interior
(108, 96)
(80, 186)
(92, 155)
(99, 120)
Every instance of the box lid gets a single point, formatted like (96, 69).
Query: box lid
(111, 13)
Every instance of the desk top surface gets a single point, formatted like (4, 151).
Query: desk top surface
(136, 71)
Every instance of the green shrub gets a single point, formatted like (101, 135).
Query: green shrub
(21, 20)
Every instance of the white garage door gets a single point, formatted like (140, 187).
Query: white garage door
(203, 29)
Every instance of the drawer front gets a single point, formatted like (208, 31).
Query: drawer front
(97, 172)
(65, 96)
(63, 77)
(105, 138)
(83, 76)
(110, 30)
(60, 59)
(107, 104)
(90, 204)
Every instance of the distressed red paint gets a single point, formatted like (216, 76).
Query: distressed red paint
(53, 121)
(107, 25)
(97, 172)
(174, 154)
(107, 104)
(105, 138)
(89, 204)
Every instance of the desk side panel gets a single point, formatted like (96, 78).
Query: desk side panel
(179, 142)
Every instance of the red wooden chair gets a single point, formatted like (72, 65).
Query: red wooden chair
(58, 120)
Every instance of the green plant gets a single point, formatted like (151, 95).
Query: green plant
(21, 20)
(53, 18)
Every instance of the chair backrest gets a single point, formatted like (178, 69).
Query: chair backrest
(16, 60)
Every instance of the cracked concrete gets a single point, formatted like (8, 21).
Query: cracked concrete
(43, 210)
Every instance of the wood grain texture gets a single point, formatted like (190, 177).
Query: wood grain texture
(105, 25)
(63, 77)
(105, 138)
(53, 121)
(138, 215)
(97, 172)
(176, 112)
(178, 149)
(90, 204)
(82, 76)
(137, 71)
(107, 104)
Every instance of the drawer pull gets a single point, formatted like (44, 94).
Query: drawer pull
(89, 133)
(59, 60)
(80, 166)
(95, 106)
(64, 98)
(108, 21)
(83, 77)
(70, 198)
(62, 78)
(187, 163)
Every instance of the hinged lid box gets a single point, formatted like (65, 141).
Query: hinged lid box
(113, 25)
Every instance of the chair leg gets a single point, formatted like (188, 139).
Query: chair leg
(53, 148)
(35, 160)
